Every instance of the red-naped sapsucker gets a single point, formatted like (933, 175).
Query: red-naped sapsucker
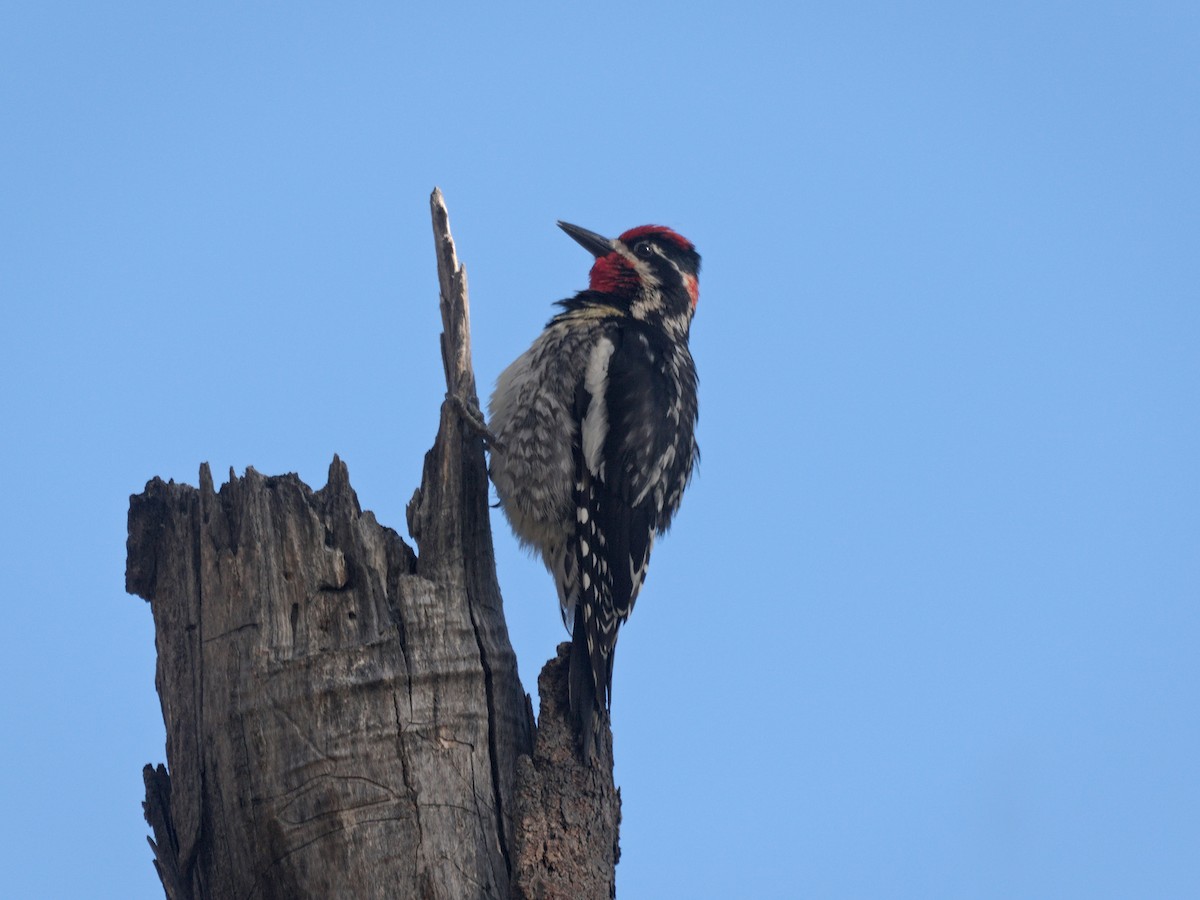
(594, 429)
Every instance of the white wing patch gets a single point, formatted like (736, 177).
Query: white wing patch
(595, 420)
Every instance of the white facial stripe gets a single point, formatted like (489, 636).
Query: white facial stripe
(650, 299)
(645, 273)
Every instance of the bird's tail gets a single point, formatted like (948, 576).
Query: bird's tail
(582, 688)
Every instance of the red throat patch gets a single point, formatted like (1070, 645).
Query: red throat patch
(693, 289)
(612, 274)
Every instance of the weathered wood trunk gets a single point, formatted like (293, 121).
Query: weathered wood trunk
(344, 716)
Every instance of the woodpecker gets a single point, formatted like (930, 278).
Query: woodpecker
(594, 440)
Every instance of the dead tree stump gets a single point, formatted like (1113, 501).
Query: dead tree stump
(344, 717)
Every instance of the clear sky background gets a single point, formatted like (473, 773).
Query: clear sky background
(928, 624)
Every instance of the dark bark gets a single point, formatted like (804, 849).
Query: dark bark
(344, 717)
(568, 813)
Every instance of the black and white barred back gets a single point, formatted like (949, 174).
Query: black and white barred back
(596, 440)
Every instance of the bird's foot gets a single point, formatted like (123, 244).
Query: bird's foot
(472, 416)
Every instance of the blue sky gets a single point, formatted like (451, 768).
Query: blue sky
(927, 624)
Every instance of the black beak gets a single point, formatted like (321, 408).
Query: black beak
(590, 241)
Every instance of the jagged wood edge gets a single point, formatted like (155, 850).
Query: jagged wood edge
(450, 520)
(565, 841)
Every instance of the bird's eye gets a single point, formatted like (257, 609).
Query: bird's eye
(644, 249)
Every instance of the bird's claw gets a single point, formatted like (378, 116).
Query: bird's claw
(468, 410)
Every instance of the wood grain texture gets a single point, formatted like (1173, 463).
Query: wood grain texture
(344, 717)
